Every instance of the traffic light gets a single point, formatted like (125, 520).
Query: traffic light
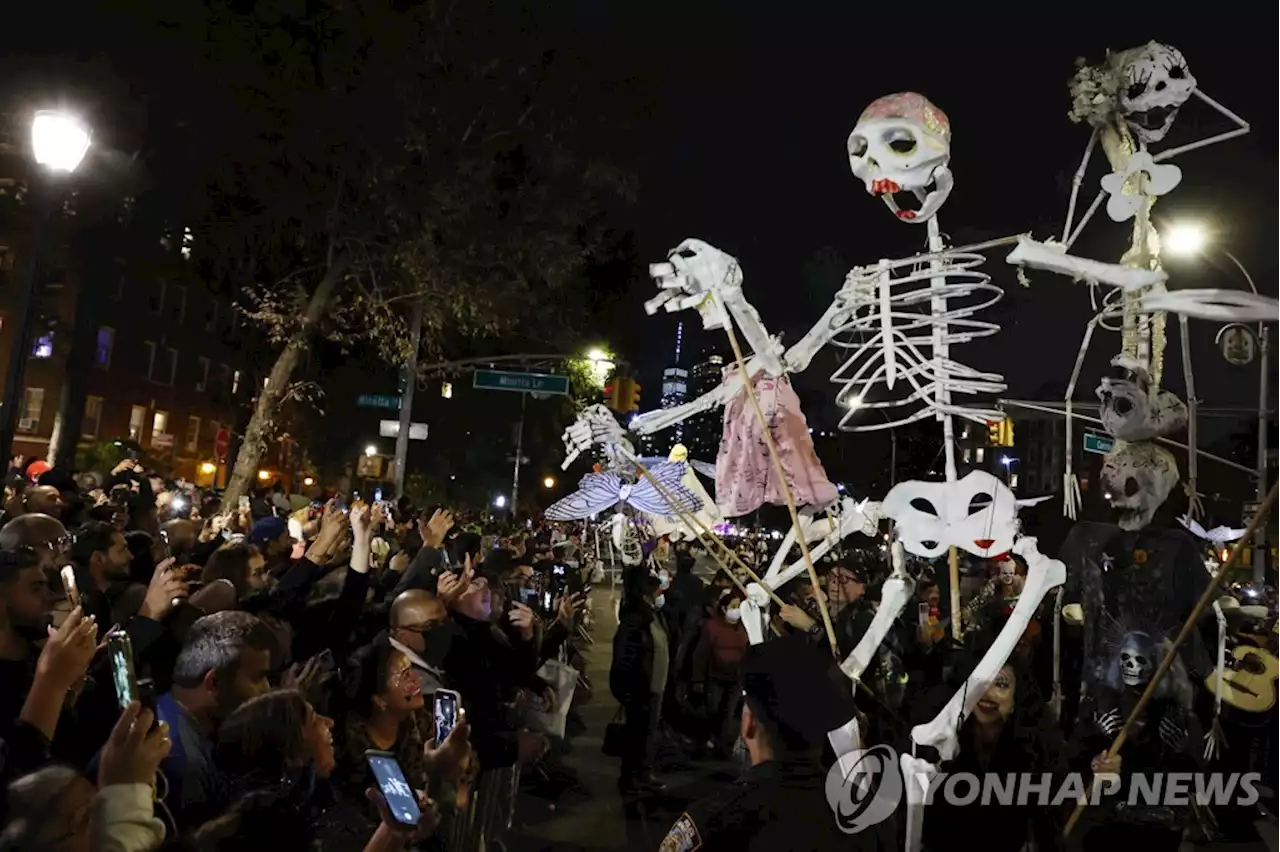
(622, 395)
(1000, 433)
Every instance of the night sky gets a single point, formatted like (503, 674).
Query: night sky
(737, 116)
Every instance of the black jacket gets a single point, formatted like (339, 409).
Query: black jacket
(631, 674)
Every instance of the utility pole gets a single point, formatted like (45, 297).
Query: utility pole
(515, 474)
(406, 398)
(1260, 545)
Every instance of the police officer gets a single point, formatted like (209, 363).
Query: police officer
(793, 694)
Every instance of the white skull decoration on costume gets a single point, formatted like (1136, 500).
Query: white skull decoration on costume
(902, 143)
(1155, 82)
(1137, 659)
(1137, 479)
(1131, 412)
(977, 514)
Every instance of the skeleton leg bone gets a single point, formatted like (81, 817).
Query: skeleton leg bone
(1076, 181)
(897, 590)
(1070, 485)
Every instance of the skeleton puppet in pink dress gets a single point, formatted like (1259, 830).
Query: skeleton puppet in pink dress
(745, 479)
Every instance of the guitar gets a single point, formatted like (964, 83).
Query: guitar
(1249, 679)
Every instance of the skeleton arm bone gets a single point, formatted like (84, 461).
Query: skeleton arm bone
(861, 519)
(1052, 258)
(1242, 127)
(665, 418)
(897, 590)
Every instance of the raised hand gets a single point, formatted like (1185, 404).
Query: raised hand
(134, 750)
(522, 618)
(66, 656)
(165, 592)
(435, 529)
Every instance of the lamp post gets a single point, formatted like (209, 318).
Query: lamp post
(59, 143)
(1189, 239)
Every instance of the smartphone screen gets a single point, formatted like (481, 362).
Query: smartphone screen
(120, 652)
(377, 495)
(401, 801)
(924, 614)
(446, 710)
(528, 597)
(164, 539)
(69, 585)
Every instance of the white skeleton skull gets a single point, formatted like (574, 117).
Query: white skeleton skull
(1137, 479)
(1131, 412)
(902, 143)
(1155, 82)
(1137, 660)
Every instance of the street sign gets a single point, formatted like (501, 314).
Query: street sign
(369, 467)
(221, 443)
(544, 383)
(378, 400)
(1095, 443)
(391, 429)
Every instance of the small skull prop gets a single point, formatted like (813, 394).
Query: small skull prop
(1137, 659)
(1131, 412)
(1155, 82)
(1137, 479)
(902, 143)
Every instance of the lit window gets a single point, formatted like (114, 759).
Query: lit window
(92, 417)
(43, 347)
(32, 407)
(137, 415)
(106, 340)
(235, 383)
(193, 434)
(1013, 480)
(159, 423)
(979, 454)
(188, 239)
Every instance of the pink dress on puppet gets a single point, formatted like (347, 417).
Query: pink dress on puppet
(745, 479)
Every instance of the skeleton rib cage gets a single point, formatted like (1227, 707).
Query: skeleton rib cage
(919, 352)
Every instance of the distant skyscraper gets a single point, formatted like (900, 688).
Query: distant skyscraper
(675, 391)
(702, 431)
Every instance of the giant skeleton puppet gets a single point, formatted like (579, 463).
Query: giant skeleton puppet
(1130, 583)
(899, 330)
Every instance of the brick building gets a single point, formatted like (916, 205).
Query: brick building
(127, 338)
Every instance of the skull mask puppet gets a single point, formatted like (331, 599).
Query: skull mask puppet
(1137, 479)
(1154, 83)
(1137, 659)
(902, 144)
(978, 514)
(1131, 412)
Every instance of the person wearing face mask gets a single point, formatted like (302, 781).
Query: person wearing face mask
(715, 669)
(422, 631)
(638, 675)
(1009, 732)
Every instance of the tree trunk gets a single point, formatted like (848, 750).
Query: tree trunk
(254, 443)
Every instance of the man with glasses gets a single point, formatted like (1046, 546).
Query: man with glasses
(422, 630)
(851, 612)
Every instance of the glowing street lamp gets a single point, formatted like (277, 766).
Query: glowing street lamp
(600, 364)
(371, 451)
(59, 143)
(500, 502)
(549, 482)
(1188, 239)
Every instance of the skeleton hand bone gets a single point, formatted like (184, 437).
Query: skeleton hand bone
(1109, 723)
(701, 272)
(1173, 733)
(595, 425)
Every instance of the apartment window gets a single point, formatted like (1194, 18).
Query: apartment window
(211, 316)
(202, 367)
(1013, 481)
(178, 302)
(106, 340)
(32, 407)
(978, 454)
(224, 378)
(157, 297)
(92, 417)
(159, 424)
(162, 363)
(43, 346)
(965, 456)
(235, 382)
(193, 434)
(137, 417)
(188, 240)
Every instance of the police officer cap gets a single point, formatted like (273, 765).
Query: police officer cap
(798, 688)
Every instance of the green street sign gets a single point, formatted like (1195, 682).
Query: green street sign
(377, 400)
(1095, 443)
(542, 383)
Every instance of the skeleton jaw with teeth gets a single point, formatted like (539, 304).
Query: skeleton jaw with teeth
(1137, 479)
(1155, 82)
(1137, 659)
(902, 145)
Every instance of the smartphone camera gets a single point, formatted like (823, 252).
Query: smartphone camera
(120, 653)
(401, 801)
(446, 713)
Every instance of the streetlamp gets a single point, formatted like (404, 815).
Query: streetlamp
(371, 451)
(1188, 239)
(548, 482)
(59, 143)
(1007, 463)
(500, 502)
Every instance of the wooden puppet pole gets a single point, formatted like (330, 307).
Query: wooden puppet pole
(694, 522)
(749, 384)
(953, 575)
(1206, 599)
